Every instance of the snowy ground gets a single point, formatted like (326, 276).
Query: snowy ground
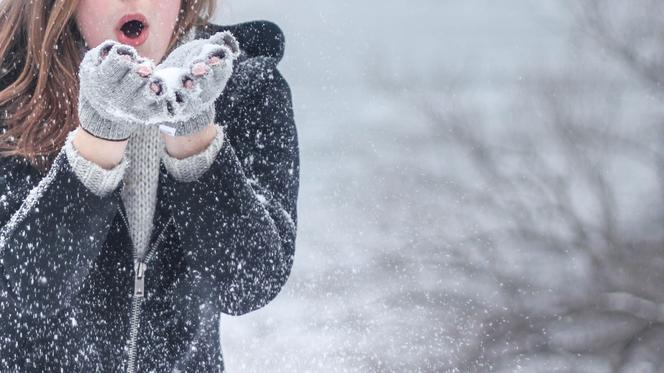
(370, 291)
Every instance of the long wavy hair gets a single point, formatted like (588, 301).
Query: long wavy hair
(40, 55)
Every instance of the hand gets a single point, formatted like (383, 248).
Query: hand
(191, 78)
(115, 98)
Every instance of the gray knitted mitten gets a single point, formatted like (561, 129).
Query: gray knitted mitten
(115, 96)
(191, 78)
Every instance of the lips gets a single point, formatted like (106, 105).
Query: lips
(132, 29)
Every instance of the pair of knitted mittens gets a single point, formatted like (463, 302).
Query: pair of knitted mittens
(121, 91)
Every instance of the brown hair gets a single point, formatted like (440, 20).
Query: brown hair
(40, 54)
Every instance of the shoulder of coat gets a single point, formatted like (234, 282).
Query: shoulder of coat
(256, 38)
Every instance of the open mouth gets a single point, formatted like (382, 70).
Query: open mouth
(132, 29)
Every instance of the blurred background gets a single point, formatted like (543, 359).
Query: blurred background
(482, 188)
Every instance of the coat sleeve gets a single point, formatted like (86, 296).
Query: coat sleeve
(52, 230)
(237, 222)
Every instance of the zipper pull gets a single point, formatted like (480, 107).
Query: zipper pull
(139, 280)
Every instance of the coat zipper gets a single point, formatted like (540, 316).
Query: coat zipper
(140, 266)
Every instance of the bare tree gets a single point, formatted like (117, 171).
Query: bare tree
(557, 187)
(568, 203)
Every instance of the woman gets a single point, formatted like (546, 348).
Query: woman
(121, 241)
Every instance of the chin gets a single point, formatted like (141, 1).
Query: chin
(148, 53)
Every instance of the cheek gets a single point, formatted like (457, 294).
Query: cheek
(163, 23)
(169, 7)
(165, 16)
(92, 20)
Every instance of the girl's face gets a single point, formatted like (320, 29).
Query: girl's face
(146, 25)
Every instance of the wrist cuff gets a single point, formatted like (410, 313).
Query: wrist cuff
(101, 127)
(99, 180)
(190, 126)
(191, 168)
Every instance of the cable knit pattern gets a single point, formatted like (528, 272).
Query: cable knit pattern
(96, 178)
(139, 194)
(191, 168)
